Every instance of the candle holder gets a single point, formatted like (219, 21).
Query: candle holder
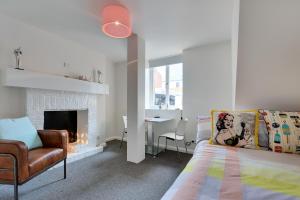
(18, 54)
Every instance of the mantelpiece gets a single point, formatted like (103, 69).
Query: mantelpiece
(29, 79)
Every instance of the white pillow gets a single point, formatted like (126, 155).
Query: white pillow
(203, 130)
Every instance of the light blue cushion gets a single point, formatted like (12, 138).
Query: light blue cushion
(20, 129)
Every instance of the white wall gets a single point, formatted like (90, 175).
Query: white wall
(268, 55)
(121, 97)
(207, 81)
(110, 100)
(46, 52)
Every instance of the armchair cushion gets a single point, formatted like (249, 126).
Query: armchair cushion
(20, 129)
(41, 158)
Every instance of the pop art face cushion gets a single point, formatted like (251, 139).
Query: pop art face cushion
(235, 128)
(284, 130)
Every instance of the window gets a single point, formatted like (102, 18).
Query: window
(164, 87)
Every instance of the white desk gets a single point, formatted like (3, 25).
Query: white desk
(150, 147)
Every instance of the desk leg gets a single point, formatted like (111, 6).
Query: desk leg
(150, 139)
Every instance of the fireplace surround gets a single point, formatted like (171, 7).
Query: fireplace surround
(50, 92)
(40, 101)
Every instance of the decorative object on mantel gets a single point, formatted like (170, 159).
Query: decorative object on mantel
(66, 64)
(78, 77)
(18, 54)
(99, 73)
(82, 78)
(94, 78)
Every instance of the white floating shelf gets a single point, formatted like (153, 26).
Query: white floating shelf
(29, 79)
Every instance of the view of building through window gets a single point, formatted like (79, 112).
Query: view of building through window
(159, 85)
(175, 86)
(165, 87)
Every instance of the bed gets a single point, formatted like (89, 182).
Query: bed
(219, 172)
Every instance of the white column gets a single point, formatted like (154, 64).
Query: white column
(234, 46)
(135, 99)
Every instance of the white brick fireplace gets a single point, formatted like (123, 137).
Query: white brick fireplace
(46, 92)
(39, 100)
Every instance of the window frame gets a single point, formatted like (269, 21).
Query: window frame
(152, 92)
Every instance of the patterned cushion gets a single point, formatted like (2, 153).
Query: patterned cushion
(284, 130)
(263, 136)
(235, 128)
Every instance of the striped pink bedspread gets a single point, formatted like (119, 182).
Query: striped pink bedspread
(227, 173)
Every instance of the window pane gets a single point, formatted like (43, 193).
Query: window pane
(159, 85)
(175, 86)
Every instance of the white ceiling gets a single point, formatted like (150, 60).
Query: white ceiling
(168, 26)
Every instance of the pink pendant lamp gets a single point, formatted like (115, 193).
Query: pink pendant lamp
(116, 21)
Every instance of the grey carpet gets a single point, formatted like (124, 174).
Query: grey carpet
(105, 176)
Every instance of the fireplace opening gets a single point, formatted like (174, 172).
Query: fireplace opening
(62, 120)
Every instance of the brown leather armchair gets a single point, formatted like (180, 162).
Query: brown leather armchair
(19, 165)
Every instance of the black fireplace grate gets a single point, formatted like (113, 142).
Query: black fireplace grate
(62, 120)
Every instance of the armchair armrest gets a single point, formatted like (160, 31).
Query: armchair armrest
(54, 139)
(19, 150)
